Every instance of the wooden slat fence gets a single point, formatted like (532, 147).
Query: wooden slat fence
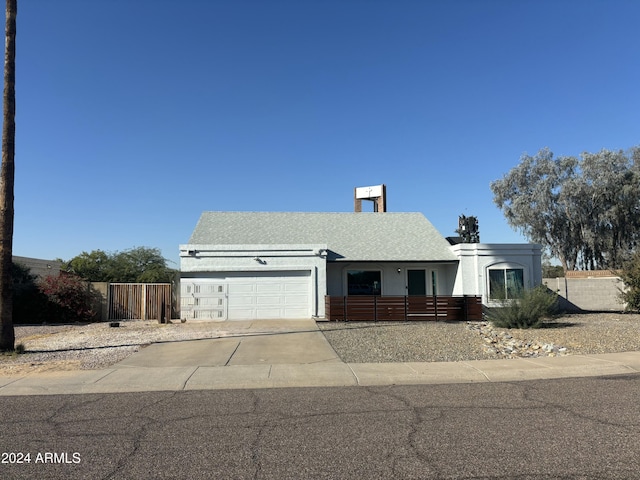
(140, 301)
(418, 307)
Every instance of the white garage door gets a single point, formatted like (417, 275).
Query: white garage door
(247, 296)
(269, 295)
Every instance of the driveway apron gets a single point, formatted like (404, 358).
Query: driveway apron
(242, 343)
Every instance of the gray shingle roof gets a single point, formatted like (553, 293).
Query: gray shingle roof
(349, 236)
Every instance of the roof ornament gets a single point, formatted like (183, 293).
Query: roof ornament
(468, 229)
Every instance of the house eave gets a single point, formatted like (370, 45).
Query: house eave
(399, 260)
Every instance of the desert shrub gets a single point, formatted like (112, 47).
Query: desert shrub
(530, 310)
(70, 299)
(630, 275)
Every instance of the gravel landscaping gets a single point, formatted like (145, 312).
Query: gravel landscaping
(94, 346)
(380, 342)
(376, 342)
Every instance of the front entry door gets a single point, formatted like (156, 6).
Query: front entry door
(416, 282)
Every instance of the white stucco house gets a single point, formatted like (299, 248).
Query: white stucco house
(260, 265)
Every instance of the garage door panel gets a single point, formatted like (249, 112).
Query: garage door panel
(241, 301)
(266, 313)
(261, 301)
(208, 315)
(241, 313)
(295, 287)
(296, 300)
(241, 288)
(209, 302)
(211, 289)
(268, 288)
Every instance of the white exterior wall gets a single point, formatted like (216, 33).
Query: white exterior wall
(212, 261)
(472, 277)
(394, 276)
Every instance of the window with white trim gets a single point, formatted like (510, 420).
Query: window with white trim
(505, 283)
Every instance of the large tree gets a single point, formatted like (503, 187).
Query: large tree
(584, 210)
(7, 334)
(136, 265)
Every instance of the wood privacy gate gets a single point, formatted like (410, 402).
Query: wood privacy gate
(408, 307)
(140, 301)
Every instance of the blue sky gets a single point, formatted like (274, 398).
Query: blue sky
(134, 116)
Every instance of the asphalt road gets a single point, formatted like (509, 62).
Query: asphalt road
(581, 428)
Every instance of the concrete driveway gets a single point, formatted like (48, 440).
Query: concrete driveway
(242, 343)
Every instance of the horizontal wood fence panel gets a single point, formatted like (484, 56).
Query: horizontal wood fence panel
(418, 307)
(389, 308)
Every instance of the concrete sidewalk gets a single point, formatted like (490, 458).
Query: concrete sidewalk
(262, 355)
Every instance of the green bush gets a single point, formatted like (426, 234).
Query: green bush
(630, 275)
(530, 310)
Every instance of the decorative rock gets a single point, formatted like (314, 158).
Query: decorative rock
(503, 345)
